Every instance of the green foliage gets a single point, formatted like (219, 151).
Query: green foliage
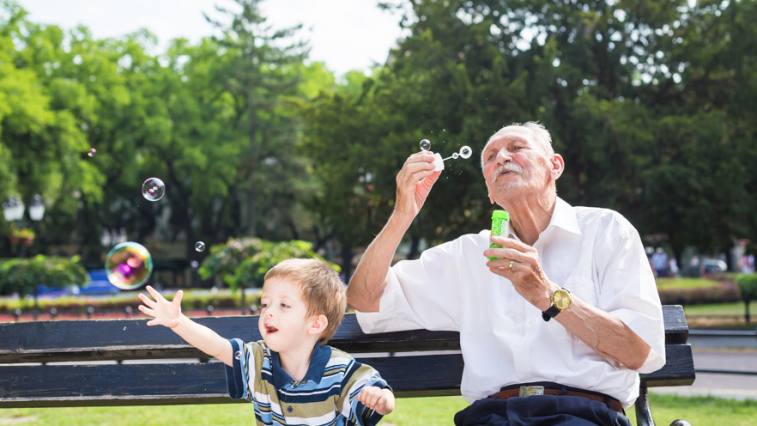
(650, 105)
(243, 263)
(747, 286)
(23, 275)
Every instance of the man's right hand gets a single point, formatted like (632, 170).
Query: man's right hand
(161, 310)
(414, 183)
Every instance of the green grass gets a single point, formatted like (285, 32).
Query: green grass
(735, 308)
(409, 412)
(685, 283)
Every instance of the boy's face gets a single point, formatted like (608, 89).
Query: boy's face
(284, 323)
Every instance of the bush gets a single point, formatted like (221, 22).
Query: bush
(748, 288)
(24, 275)
(244, 262)
(725, 292)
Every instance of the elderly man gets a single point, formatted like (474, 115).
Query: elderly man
(555, 325)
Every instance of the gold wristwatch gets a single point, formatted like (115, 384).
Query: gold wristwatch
(560, 300)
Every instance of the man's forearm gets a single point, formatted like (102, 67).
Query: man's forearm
(607, 335)
(204, 339)
(368, 282)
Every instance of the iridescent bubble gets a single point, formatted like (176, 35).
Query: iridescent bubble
(153, 189)
(425, 144)
(194, 264)
(91, 153)
(129, 265)
(466, 151)
(199, 246)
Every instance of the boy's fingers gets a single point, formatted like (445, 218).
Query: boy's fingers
(146, 300)
(147, 311)
(177, 298)
(152, 322)
(154, 293)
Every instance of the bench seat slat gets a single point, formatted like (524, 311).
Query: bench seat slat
(190, 383)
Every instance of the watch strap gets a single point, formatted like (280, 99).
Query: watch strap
(550, 313)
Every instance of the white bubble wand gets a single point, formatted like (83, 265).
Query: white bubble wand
(464, 152)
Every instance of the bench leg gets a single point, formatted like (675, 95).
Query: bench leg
(643, 412)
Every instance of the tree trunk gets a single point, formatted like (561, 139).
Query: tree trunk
(747, 318)
(346, 261)
(415, 242)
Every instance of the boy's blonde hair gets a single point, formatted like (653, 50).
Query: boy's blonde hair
(321, 288)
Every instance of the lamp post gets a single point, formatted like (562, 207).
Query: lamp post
(13, 211)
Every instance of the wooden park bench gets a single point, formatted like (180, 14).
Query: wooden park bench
(60, 363)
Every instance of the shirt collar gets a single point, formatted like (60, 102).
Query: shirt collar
(564, 217)
(318, 360)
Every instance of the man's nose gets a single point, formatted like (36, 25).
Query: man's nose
(503, 156)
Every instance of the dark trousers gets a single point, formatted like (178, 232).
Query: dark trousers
(541, 410)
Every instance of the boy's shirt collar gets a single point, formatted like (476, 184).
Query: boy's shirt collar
(318, 360)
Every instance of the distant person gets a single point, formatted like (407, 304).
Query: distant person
(660, 262)
(673, 267)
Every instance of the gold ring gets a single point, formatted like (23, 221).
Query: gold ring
(510, 266)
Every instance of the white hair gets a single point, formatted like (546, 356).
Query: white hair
(538, 133)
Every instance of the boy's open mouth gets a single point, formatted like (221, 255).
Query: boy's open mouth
(270, 329)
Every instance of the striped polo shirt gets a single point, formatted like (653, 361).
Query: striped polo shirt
(327, 395)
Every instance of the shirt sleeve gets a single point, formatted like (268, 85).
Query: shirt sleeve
(240, 377)
(425, 293)
(355, 380)
(628, 290)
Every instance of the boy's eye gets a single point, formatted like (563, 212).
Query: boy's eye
(263, 305)
(284, 305)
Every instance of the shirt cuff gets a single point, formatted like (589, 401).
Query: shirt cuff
(235, 374)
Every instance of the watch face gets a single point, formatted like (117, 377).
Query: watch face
(561, 299)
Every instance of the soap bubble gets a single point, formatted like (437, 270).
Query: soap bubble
(199, 246)
(129, 265)
(91, 153)
(466, 151)
(425, 145)
(194, 264)
(153, 189)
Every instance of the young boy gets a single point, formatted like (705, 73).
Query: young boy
(291, 376)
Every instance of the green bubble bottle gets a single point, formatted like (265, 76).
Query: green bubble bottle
(499, 226)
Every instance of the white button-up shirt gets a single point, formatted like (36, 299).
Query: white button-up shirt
(595, 253)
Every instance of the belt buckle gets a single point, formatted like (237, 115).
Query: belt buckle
(530, 391)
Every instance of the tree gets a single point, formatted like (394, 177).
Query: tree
(748, 288)
(23, 276)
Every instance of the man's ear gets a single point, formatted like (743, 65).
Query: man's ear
(318, 324)
(557, 166)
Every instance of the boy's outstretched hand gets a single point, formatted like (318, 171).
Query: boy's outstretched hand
(378, 399)
(161, 310)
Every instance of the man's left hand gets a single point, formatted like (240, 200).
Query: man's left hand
(520, 264)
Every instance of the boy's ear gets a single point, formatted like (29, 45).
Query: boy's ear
(318, 324)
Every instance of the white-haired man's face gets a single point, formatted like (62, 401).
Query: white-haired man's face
(514, 164)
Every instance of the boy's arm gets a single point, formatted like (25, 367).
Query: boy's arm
(169, 314)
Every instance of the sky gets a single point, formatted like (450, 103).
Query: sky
(345, 34)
